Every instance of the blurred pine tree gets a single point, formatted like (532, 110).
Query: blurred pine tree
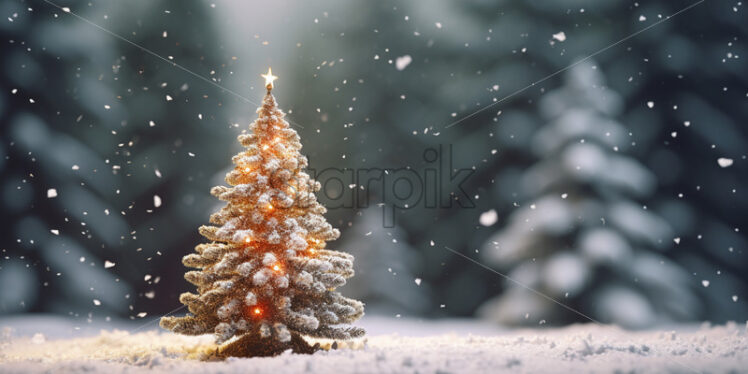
(108, 126)
(581, 236)
(388, 263)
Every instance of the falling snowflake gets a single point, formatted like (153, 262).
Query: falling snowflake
(489, 218)
(560, 36)
(403, 62)
(724, 162)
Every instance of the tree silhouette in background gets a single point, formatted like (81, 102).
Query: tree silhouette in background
(581, 236)
(88, 115)
(387, 261)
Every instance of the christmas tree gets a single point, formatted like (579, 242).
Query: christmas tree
(266, 277)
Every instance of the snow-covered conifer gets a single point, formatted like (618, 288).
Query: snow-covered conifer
(582, 234)
(266, 276)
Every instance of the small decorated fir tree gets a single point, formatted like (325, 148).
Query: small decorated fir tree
(266, 276)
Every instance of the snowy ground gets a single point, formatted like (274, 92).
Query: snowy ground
(48, 344)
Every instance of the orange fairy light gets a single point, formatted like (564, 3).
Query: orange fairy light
(270, 207)
(247, 240)
(265, 147)
(277, 267)
(255, 311)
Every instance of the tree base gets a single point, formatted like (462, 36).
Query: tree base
(252, 345)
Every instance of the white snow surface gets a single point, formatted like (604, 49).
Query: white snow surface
(393, 345)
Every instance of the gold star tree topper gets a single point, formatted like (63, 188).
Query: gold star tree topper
(269, 78)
